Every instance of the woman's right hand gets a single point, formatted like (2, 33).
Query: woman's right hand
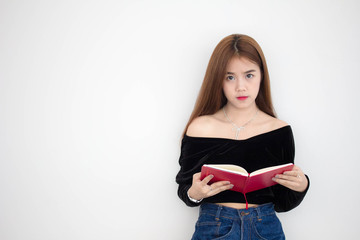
(201, 189)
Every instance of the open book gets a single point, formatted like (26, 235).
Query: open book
(243, 181)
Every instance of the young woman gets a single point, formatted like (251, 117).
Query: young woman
(233, 122)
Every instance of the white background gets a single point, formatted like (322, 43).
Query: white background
(94, 96)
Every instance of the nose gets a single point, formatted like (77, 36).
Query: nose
(240, 85)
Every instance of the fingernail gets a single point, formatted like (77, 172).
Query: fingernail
(274, 179)
(231, 185)
(211, 176)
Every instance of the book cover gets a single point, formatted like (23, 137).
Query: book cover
(243, 181)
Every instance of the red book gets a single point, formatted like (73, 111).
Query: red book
(243, 181)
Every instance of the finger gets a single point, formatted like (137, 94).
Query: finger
(294, 183)
(207, 179)
(291, 173)
(286, 183)
(220, 188)
(288, 176)
(219, 184)
(197, 176)
(296, 168)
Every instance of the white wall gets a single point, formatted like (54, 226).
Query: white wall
(94, 96)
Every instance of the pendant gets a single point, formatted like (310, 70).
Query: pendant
(238, 129)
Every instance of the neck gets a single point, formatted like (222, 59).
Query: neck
(240, 115)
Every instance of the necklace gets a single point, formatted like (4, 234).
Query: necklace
(235, 127)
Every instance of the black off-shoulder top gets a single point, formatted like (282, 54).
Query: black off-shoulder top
(264, 150)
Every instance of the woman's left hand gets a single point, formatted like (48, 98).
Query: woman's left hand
(294, 179)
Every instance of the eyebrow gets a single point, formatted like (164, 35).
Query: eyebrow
(249, 71)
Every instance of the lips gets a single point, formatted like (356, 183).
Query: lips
(242, 97)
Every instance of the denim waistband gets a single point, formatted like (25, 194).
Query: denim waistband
(233, 213)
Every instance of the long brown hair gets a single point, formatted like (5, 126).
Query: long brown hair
(211, 97)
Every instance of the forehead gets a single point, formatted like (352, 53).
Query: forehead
(241, 64)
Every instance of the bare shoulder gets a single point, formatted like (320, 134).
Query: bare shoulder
(271, 123)
(201, 126)
(277, 123)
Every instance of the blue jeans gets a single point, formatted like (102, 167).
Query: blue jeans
(219, 222)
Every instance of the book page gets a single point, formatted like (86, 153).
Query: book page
(229, 168)
(269, 169)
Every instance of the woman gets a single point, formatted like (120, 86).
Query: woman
(233, 122)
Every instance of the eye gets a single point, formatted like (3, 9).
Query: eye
(248, 76)
(230, 77)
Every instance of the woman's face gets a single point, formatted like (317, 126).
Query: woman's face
(242, 82)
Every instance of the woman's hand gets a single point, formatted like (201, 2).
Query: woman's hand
(201, 189)
(294, 179)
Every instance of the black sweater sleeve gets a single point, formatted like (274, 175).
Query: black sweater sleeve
(192, 157)
(182, 193)
(286, 199)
